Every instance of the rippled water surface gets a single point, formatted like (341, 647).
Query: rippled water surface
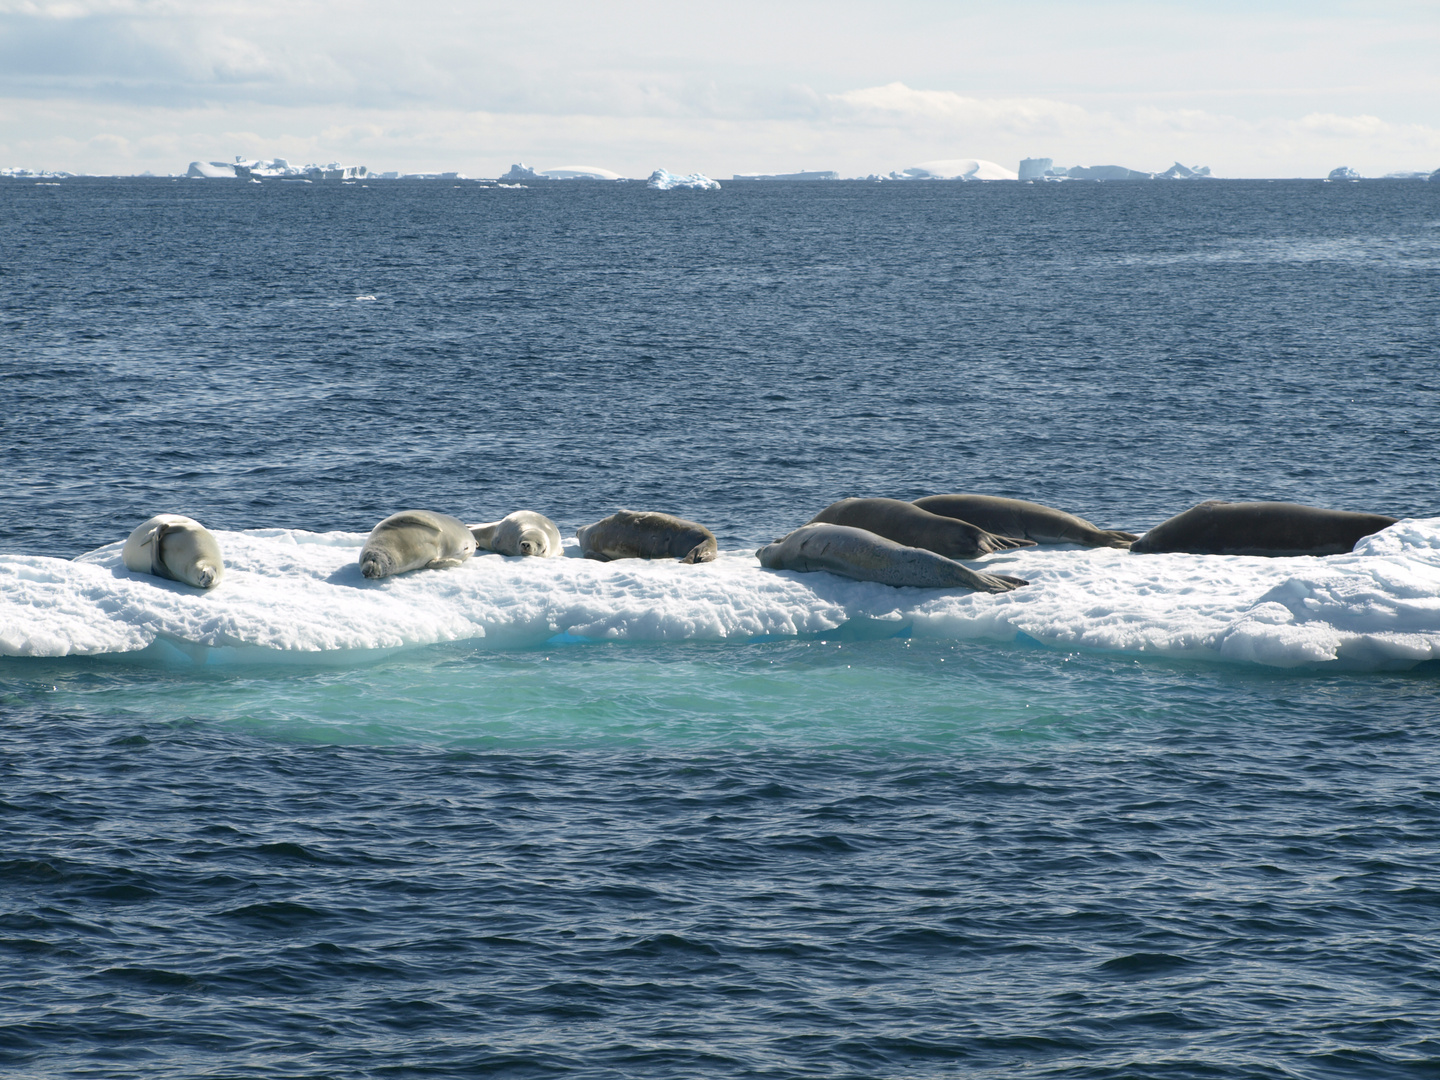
(835, 854)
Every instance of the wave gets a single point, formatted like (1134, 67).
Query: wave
(297, 594)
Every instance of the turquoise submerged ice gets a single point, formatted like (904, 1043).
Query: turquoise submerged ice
(298, 592)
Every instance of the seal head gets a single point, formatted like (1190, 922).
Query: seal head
(522, 533)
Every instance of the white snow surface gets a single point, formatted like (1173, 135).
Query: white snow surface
(661, 180)
(957, 169)
(294, 592)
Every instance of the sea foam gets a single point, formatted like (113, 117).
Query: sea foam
(297, 593)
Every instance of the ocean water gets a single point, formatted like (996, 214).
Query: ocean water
(1149, 816)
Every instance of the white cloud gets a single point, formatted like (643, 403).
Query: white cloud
(896, 102)
(1283, 88)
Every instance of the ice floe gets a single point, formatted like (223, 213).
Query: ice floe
(295, 592)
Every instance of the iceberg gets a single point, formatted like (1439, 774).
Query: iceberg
(210, 170)
(1106, 172)
(579, 172)
(521, 173)
(956, 169)
(824, 174)
(1036, 168)
(273, 169)
(35, 174)
(1180, 172)
(662, 180)
(1344, 172)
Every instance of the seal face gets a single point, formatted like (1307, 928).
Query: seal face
(913, 526)
(522, 533)
(866, 556)
(177, 548)
(1025, 520)
(631, 534)
(1273, 529)
(415, 540)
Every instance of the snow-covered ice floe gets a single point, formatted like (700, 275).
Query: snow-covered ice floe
(298, 593)
(661, 180)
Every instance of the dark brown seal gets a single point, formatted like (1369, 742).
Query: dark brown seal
(908, 524)
(1274, 529)
(630, 534)
(1027, 520)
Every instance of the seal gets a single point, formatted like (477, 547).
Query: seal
(912, 526)
(1026, 520)
(1274, 529)
(177, 548)
(522, 533)
(631, 534)
(415, 539)
(864, 556)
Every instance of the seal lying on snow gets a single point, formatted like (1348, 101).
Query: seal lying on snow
(1275, 529)
(522, 533)
(864, 556)
(912, 526)
(175, 547)
(413, 539)
(630, 534)
(1026, 520)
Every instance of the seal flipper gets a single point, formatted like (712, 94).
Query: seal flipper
(484, 535)
(991, 542)
(705, 551)
(157, 556)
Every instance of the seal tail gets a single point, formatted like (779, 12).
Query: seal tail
(1116, 538)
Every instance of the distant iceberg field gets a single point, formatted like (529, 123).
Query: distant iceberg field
(293, 592)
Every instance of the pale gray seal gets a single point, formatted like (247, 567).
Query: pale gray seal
(908, 524)
(1026, 520)
(864, 556)
(1275, 529)
(175, 547)
(413, 539)
(522, 533)
(631, 534)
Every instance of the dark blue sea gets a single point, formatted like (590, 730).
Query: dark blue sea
(1150, 816)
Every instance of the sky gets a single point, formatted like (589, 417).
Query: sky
(1265, 88)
